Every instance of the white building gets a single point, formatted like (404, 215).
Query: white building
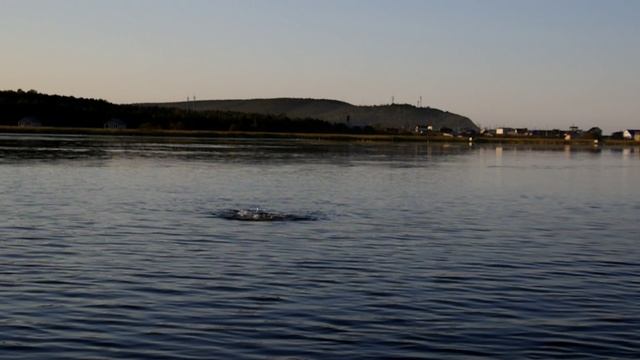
(506, 131)
(630, 134)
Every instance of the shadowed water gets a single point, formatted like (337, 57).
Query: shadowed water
(115, 248)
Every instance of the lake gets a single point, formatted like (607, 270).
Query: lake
(113, 248)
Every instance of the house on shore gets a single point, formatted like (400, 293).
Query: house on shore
(423, 129)
(507, 131)
(631, 134)
(29, 121)
(573, 133)
(115, 124)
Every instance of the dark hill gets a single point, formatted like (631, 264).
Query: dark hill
(32, 109)
(398, 116)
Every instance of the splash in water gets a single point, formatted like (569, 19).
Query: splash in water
(257, 214)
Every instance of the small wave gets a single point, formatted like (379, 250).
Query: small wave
(257, 214)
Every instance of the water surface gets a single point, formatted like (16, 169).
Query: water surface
(108, 249)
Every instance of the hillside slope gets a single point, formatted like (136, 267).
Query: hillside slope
(398, 116)
(32, 109)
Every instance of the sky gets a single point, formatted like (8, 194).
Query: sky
(519, 63)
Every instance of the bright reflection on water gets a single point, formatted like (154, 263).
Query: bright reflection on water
(109, 250)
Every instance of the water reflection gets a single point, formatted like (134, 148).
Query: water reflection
(499, 150)
(103, 148)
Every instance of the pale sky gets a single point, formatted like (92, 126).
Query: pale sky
(536, 63)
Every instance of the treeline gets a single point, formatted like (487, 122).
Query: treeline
(69, 111)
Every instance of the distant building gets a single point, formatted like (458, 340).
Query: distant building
(630, 134)
(29, 121)
(512, 131)
(115, 124)
(573, 133)
(506, 131)
(423, 129)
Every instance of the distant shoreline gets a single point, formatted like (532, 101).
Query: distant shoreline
(309, 136)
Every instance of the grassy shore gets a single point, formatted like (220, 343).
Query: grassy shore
(308, 136)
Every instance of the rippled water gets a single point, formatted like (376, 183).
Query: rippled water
(108, 249)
